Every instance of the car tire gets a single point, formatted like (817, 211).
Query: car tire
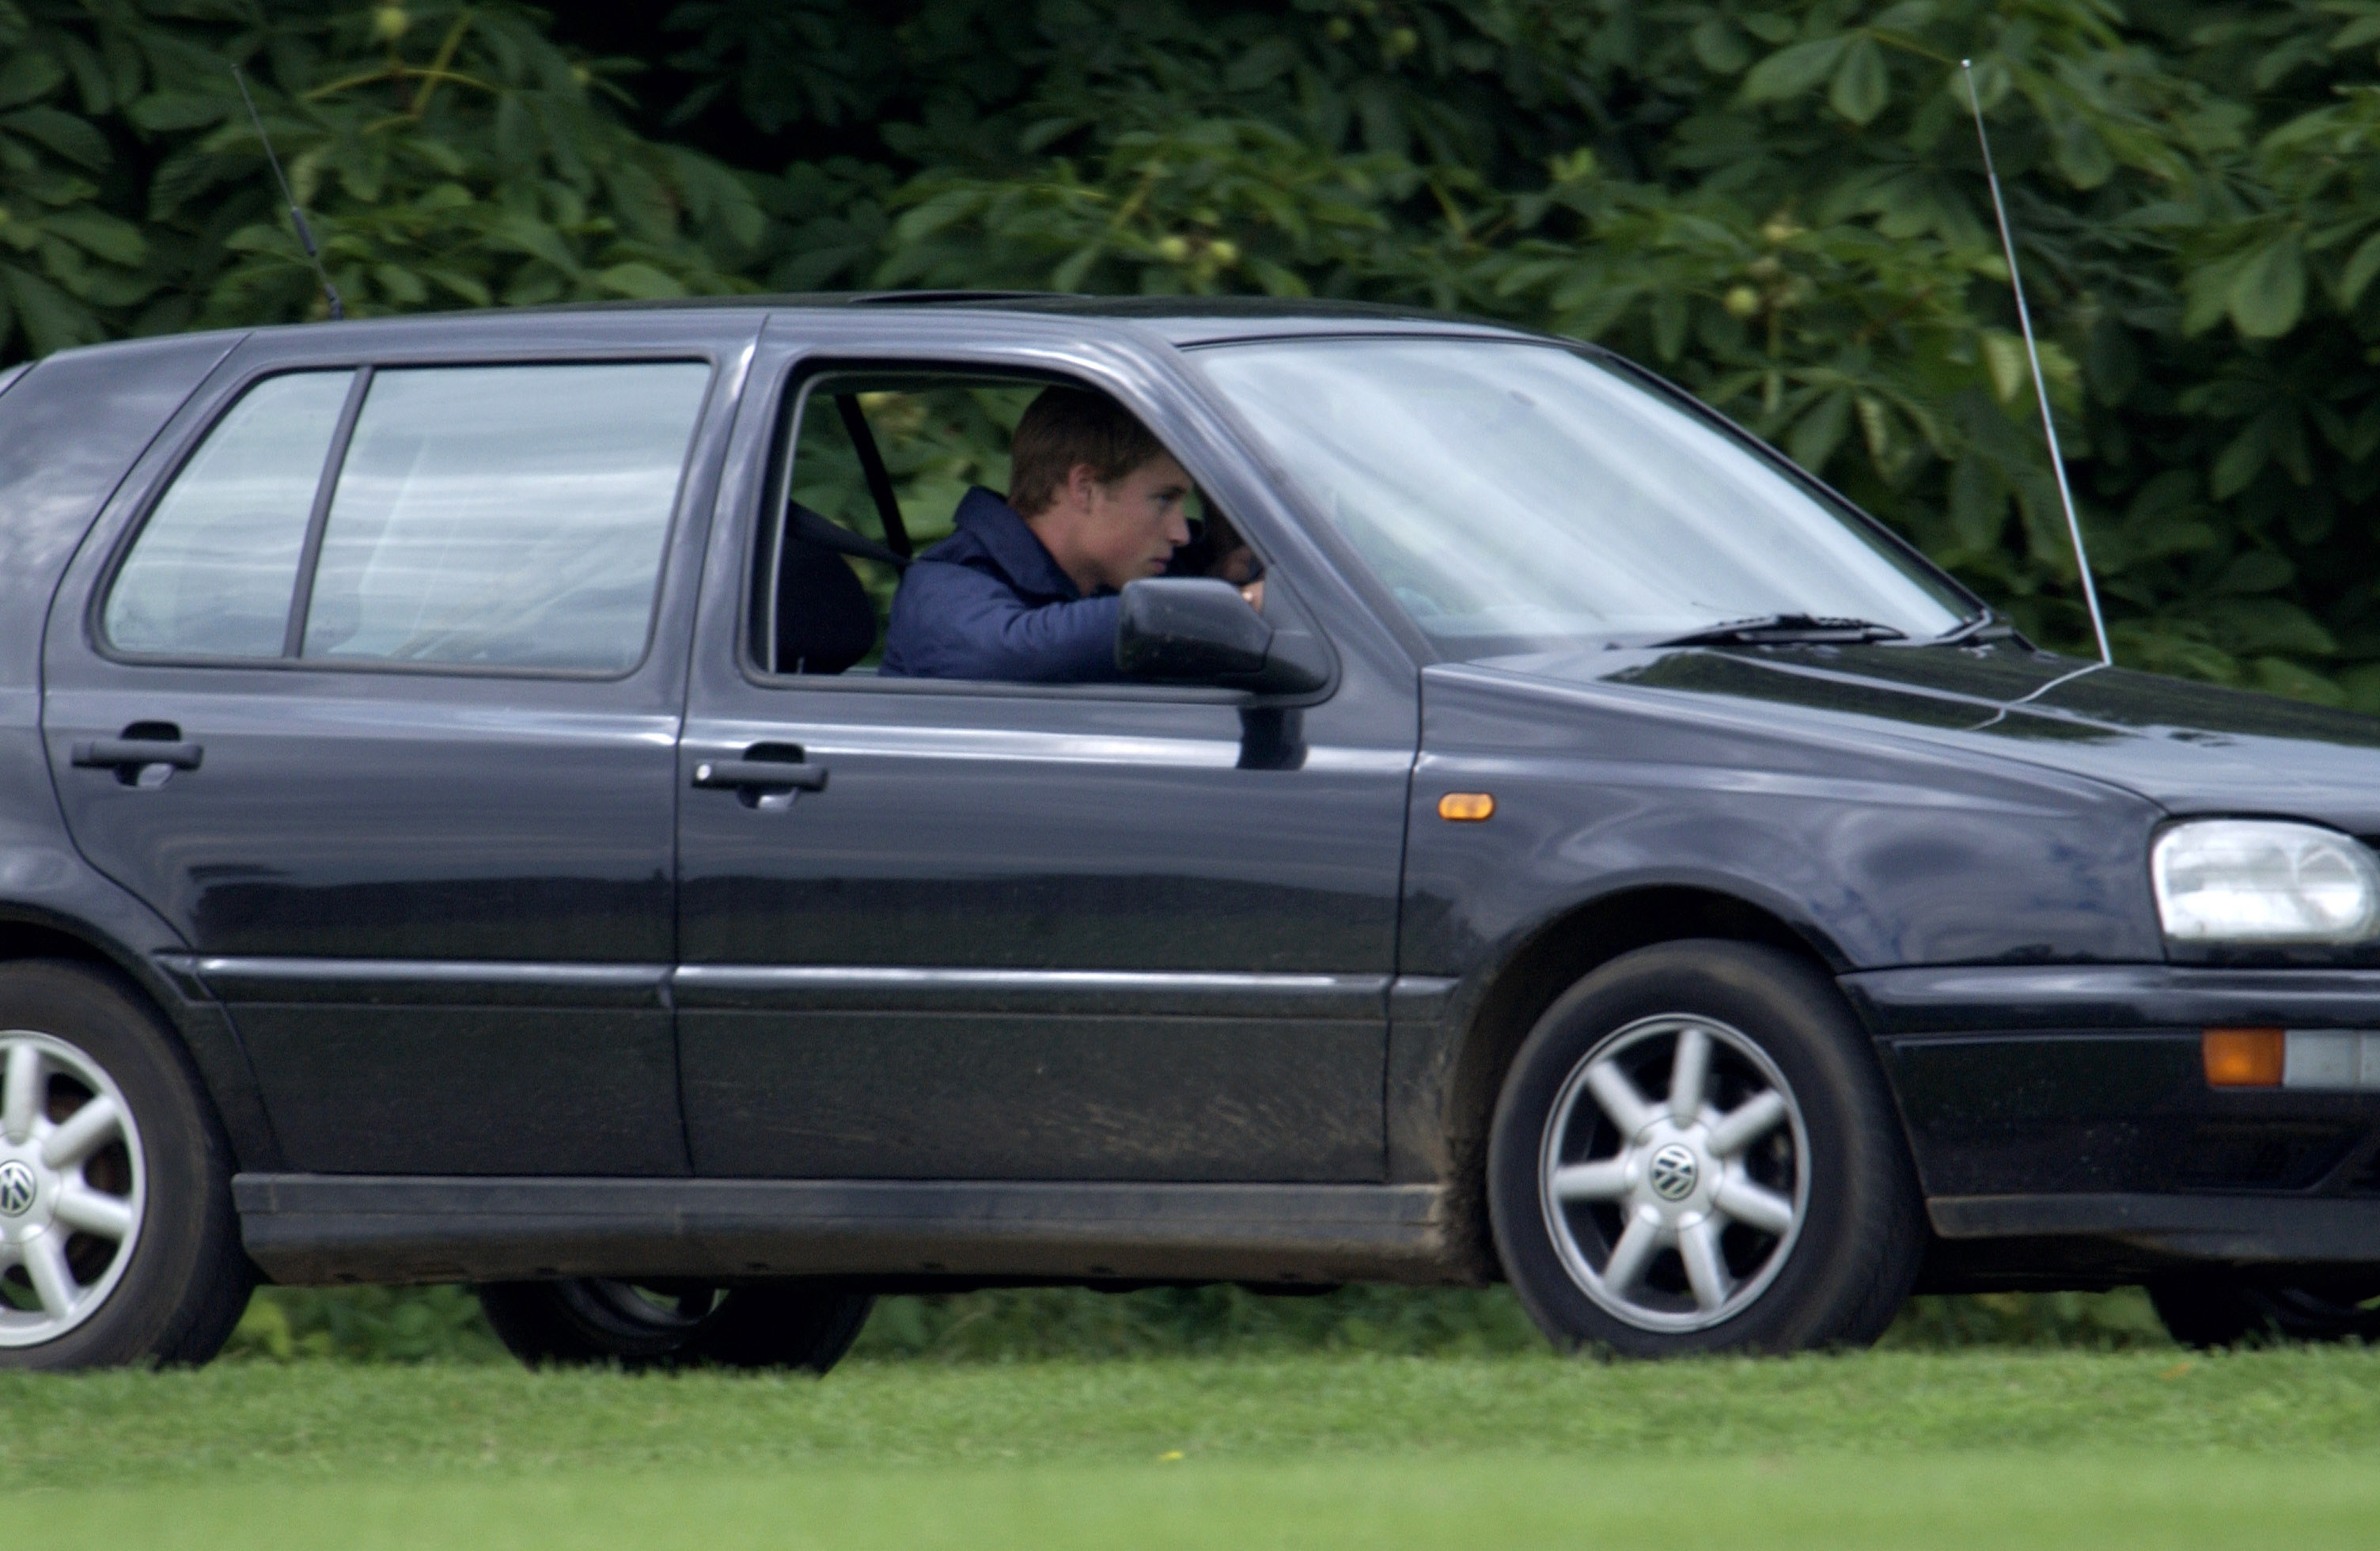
(2221, 1309)
(592, 1321)
(117, 1232)
(1781, 1215)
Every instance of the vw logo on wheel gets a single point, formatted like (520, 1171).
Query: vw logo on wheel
(17, 1188)
(1673, 1172)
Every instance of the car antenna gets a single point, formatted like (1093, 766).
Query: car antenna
(2040, 387)
(297, 216)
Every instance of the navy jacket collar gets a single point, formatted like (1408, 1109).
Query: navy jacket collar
(1012, 546)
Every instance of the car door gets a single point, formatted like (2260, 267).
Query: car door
(1084, 932)
(371, 687)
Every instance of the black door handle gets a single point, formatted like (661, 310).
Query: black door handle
(763, 775)
(116, 753)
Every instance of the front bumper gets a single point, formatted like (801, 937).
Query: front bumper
(2069, 1103)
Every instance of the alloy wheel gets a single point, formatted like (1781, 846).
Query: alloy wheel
(1674, 1214)
(72, 1187)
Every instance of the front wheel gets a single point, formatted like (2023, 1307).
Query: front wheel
(1694, 1151)
(584, 1321)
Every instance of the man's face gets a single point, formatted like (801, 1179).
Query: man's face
(1128, 529)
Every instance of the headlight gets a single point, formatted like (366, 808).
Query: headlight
(2260, 880)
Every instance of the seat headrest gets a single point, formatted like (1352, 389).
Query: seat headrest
(825, 622)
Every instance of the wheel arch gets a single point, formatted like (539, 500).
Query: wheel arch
(199, 1027)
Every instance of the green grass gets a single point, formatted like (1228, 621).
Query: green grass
(279, 1423)
(2106, 1503)
(2093, 1434)
(1977, 1448)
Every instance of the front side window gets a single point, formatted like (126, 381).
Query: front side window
(214, 570)
(509, 515)
(1518, 497)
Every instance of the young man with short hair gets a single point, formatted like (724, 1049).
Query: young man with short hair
(1026, 589)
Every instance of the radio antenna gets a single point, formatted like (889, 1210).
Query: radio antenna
(2033, 353)
(297, 216)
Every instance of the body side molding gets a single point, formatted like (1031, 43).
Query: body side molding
(412, 982)
(834, 988)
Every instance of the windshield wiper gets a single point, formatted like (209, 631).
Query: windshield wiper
(1780, 630)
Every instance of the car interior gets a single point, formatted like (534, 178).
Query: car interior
(869, 470)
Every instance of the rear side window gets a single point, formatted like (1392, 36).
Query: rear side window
(493, 516)
(214, 569)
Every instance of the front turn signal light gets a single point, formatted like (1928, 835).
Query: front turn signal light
(2244, 1058)
(1467, 807)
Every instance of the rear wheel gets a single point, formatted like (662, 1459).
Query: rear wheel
(118, 1242)
(1694, 1151)
(589, 1320)
(2225, 1309)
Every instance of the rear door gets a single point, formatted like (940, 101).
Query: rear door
(371, 687)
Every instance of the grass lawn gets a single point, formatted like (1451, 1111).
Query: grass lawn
(1964, 1448)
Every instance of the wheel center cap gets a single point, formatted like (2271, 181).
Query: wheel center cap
(18, 1188)
(1673, 1172)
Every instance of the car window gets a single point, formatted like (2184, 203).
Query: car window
(212, 573)
(504, 515)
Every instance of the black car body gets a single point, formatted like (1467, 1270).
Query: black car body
(484, 977)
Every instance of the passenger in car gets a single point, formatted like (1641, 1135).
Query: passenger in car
(1027, 590)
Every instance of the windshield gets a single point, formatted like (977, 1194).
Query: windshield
(1518, 497)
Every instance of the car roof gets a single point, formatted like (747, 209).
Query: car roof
(1182, 321)
(1178, 320)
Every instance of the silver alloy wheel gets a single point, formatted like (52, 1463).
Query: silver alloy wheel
(72, 1187)
(1674, 1214)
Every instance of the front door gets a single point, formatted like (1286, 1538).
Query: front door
(372, 707)
(1081, 933)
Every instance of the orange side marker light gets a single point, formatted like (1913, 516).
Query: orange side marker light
(2244, 1058)
(1466, 808)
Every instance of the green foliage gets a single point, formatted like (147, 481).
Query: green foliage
(1778, 203)
(448, 155)
(365, 1325)
(378, 1325)
(2118, 1321)
(1045, 1323)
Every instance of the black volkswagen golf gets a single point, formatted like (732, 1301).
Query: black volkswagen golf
(453, 829)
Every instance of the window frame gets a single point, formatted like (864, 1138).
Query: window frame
(792, 397)
(325, 489)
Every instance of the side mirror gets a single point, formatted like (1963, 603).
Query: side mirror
(1198, 630)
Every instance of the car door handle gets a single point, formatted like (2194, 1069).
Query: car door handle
(763, 775)
(116, 753)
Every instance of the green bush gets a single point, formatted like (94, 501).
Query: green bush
(442, 1324)
(365, 1325)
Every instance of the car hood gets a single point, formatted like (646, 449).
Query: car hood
(2189, 747)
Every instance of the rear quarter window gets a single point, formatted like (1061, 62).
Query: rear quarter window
(213, 572)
